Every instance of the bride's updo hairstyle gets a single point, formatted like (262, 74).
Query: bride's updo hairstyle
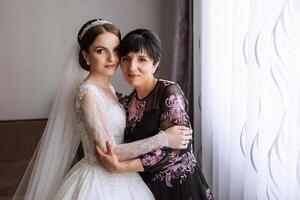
(88, 33)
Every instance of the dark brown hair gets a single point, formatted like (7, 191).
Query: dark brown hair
(88, 38)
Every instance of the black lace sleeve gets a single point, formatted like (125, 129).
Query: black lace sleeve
(174, 108)
(168, 162)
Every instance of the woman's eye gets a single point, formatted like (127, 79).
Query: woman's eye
(100, 51)
(142, 60)
(124, 59)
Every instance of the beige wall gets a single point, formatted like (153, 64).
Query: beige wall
(35, 37)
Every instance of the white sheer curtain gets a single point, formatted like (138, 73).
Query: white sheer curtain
(250, 98)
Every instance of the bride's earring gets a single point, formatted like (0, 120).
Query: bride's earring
(85, 57)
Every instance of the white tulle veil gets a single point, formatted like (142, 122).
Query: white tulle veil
(59, 142)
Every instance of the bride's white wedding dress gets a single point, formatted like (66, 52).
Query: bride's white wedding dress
(100, 118)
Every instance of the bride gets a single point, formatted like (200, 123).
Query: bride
(97, 118)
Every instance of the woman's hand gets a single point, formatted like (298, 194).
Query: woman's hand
(109, 160)
(178, 137)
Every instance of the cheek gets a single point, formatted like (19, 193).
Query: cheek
(146, 69)
(117, 59)
(123, 68)
(95, 59)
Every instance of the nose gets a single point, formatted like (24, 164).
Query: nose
(111, 56)
(133, 65)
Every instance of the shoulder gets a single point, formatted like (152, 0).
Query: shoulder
(170, 87)
(166, 83)
(84, 91)
(172, 94)
(84, 88)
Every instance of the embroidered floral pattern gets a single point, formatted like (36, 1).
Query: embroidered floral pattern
(176, 110)
(153, 158)
(178, 168)
(135, 110)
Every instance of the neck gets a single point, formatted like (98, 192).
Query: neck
(99, 80)
(143, 90)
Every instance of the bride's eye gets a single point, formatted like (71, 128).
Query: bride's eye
(100, 51)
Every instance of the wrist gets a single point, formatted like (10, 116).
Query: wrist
(134, 165)
(122, 167)
(164, 138)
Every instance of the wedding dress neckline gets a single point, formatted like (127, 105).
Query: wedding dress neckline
(112, 99)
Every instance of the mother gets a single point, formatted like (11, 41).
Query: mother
(154, 105)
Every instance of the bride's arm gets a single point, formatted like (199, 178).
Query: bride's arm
(96, 119)
(110, 161)
(174, 137)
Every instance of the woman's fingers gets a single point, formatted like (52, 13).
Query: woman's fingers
(109, 148)
(185, 130)
(179, 136)
(187, 137)
(99, 151)
(109, 159)
(188, 131)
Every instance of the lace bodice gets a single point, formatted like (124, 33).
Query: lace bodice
(100, 119)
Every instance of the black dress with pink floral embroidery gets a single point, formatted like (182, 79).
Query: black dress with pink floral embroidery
(170, 174)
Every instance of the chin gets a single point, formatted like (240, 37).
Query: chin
(133, 83)
(110, 73)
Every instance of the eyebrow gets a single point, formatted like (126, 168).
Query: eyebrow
(97, 47)
(143, 56)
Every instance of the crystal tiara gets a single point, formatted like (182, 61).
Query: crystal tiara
(89, 26)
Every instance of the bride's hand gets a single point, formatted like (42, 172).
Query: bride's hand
(178, 137)
(109, 160)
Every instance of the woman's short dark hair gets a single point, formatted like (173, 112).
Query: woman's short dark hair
(141, 40)
(86, 39)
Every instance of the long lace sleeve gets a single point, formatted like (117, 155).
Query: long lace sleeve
(170, 163)
(135, 149)
(95, 115)
(95, 118)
